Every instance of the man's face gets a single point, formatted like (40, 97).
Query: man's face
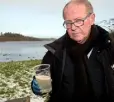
(75, 13)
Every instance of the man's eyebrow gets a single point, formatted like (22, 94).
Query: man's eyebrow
(67, 21)
(79, 18)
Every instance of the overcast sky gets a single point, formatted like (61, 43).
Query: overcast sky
(43, 18)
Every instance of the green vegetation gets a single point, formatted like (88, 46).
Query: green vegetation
(8, 36)
(15, 78)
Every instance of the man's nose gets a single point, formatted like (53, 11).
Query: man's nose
(73, 27)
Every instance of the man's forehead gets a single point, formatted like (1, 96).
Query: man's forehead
(73, 8)
(75, 11)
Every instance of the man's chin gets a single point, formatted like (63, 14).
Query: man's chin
(80, 41)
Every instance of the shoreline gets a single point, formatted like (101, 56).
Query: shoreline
(8, 61)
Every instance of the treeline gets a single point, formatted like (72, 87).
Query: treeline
(9, 36)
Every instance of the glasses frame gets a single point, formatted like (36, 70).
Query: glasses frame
(83, 19)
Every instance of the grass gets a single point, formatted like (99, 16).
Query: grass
(15, 78)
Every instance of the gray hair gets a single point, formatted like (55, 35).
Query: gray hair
(87, 4)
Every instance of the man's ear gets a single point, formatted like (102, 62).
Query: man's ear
(92, 18)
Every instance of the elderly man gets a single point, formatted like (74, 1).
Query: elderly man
(82, 60)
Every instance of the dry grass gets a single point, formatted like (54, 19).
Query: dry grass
(15, 78)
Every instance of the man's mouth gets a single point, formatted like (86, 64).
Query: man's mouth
(75, 34)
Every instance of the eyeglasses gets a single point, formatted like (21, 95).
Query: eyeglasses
(78, 22)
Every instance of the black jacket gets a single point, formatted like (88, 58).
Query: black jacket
(59, 60)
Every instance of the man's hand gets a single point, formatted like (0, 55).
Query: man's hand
(35, 87)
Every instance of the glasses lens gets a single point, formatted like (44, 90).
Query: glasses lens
(78, 23)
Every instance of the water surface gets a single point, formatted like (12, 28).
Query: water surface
(22, 50)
